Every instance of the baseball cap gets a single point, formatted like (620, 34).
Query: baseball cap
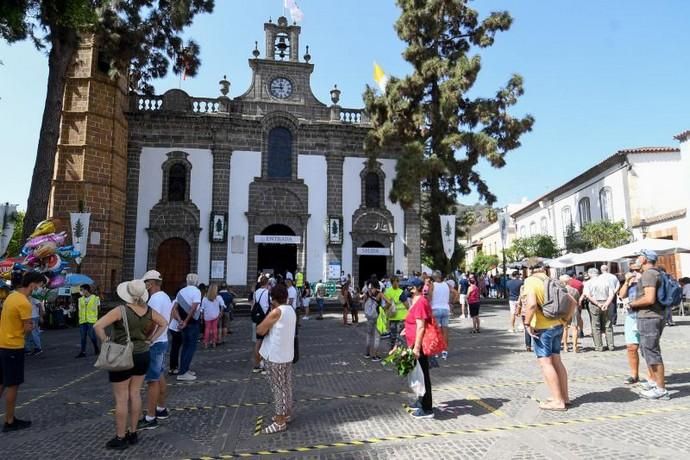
(649, 254)
(152, 275)
(416, 282)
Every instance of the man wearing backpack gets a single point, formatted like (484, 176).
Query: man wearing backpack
(547, 332)
(650, 324)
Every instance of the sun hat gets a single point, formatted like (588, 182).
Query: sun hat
(152, 275)
(133, 291)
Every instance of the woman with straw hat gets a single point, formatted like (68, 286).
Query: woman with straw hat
(145, 325)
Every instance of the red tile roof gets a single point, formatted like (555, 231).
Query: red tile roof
(650, 150)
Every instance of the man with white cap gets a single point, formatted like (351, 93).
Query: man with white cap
(155, 376)
(187, 303)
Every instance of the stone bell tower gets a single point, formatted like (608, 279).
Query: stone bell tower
(91, 162)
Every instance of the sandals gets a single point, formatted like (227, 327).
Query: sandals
(550, 405)
(274, 428)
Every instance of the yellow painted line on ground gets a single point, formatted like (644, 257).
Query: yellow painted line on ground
(258, 425)
(483, 404)
(460, 432)
(55, 390)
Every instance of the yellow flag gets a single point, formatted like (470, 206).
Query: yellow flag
(380, 77)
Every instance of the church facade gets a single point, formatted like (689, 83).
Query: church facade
(273, 179)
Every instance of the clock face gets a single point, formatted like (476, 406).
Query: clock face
(281, 88)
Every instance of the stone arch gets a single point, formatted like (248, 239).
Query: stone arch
(174, 219)
(372, 171)
(176, 159)
(284, 120)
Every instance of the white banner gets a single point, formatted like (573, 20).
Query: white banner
(79, 222)
(503, 224)
(277, 239)
(373, 251)
(8, 220)
(448, 234)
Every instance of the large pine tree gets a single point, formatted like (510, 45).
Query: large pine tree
(440, 131)
(141, 37)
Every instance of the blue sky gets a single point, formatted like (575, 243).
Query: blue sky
(599, 76)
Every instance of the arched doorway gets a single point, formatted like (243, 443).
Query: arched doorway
(277, 258)
(371, 264)
(173, 261)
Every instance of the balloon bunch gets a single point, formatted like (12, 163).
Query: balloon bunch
(43, 252)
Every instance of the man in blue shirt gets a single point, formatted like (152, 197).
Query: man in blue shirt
(513, 285)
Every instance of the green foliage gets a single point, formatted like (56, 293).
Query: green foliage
(439, 130)
(605, 234)
(16, 243)
(143, 36)
(402, 358)
(492, 215)
(574, 241)
(483, 263)
(533, 246)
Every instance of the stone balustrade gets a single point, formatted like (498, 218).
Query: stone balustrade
(176, 100)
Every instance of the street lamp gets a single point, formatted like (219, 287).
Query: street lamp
(644, 228)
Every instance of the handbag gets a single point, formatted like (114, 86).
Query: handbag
(116, 357)
(433, 341)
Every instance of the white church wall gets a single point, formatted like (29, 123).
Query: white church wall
(312, 169)
(400, 261)
(150, 189)
(244, 166)
(352, 198)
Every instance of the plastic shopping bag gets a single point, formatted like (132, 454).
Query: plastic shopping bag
(382, 322)
(416, 380)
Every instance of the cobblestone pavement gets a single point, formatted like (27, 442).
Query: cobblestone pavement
(350, 408)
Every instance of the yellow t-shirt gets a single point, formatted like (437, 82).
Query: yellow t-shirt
(15, 310)
(535, 285)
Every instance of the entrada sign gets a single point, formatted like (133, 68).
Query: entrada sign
(373, 251)
(277, 239)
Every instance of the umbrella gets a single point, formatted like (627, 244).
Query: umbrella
(658, 245)
(77, 279)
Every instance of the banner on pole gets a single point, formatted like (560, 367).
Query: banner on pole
(8, 220)
(79, 221)
(448, 234)
(503, 223)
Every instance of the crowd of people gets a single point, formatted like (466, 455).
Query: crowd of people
(408, 308)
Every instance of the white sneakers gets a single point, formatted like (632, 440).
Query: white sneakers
(187, 376)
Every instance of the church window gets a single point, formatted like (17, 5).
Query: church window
(606, 203)
(177, 182)
(279, 153)
(372, 190)
(585, 214)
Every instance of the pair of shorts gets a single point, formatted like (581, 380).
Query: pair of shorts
(141, 365)
(513, 306)
(650, 330)
(548, 342)
(156, 361)
(442, 315)
(474, 309)
(463, 299)
(632, 335)
(11, 366)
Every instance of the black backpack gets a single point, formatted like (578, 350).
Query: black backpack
(258, 314)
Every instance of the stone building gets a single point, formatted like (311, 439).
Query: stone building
(273, 179)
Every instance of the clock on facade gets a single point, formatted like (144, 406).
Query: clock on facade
(281, 88)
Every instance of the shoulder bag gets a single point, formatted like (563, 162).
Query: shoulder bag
(257, 313)
(116, 357)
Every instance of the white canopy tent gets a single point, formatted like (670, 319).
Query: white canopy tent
(660, 246)
(564, 261)
(595, 255)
